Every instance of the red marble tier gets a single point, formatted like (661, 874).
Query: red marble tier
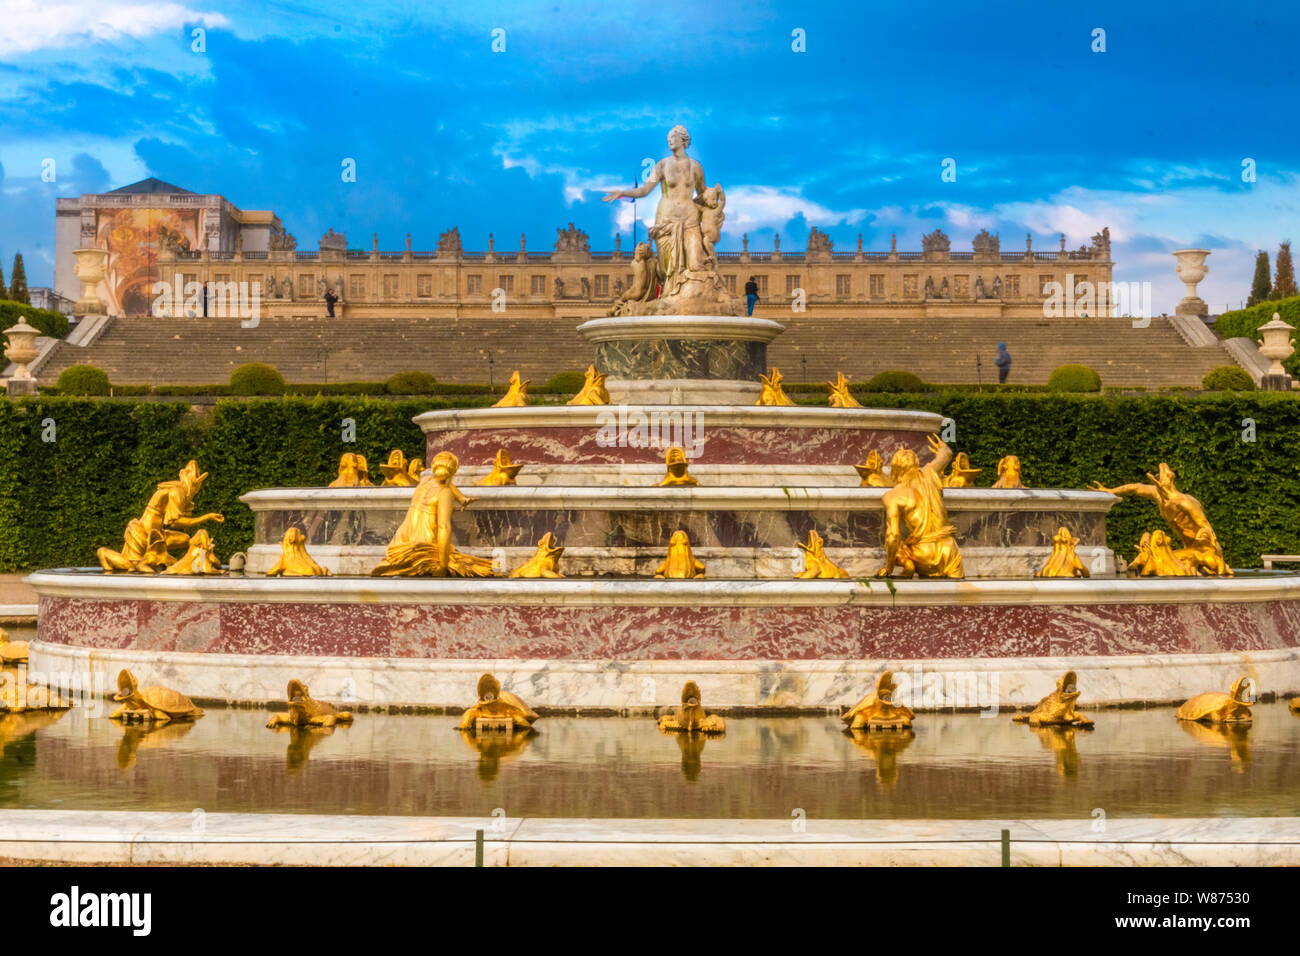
(648, 632)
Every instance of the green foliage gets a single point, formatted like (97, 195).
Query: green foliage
(1228, 378)
(83, 380)
(4, 289)
(1284, 286)
(411, 383)
(18, 282)
(1261, 284)
(565, 383)
(256, 378)
(48, 322)
(1245, 323)
(1074, 378)
(896, 382)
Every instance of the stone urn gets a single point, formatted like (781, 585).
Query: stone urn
(22, 350)
(1192, 269)
(92, 266)
(1276, 344)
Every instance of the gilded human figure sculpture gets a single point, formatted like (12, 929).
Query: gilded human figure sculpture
(516, 395)
(162, 532)
(840, 396)
(593, 389)
(151, 704)
(354, 472)
(306, 711)
(815, 562)
(423, 545)
(397, 471)
(1057, 708)
(961, 474)
(497, 709)
(1063, 562)
(877, 711)
(294, 561)
(199, 558)
(690, 718)
(545, 563)
(872, 471)
(918, 537)
(677, 474)
(1200, 545)
(1009, 473)
(773, 393)
(502, 473)
(688, 221)
(1217, 707)
(681, 562)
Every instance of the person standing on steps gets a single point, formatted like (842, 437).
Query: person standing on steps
(751, 293)
(330, 299)
(1003, 362)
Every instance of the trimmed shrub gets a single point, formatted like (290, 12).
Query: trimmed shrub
(411, 383)
(1074, 378)
(83, 380)
(46, 321)
(1245, 323)
(256, 378)
(1228, 378)
(896, 382)
(565, 383)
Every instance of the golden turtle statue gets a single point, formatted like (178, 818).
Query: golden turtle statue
(545, 563)
(1057, 708)
(12, 652)
(306, 711)
(680, 562)
(877, 711)
(1216, 707)
(495, 704)
(157, 704)
(690, 718)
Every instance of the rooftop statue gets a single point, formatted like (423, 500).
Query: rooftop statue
(1057, 708)
(841, 397)
(306, 711)
(961, 474)
(918, 537)
(423, 545)
(516, 395)
(1185, 515)
(688, 221)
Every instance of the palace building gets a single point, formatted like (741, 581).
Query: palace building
(155, 232)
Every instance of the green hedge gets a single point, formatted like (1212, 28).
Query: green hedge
(61, 500)
(1246, 322)
(53, 324)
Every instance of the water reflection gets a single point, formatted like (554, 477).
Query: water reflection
(492, 748)
(1060, 741)
(1235, 737)
(135, 736)
(302, 740)
(692, 748)
(884, 746)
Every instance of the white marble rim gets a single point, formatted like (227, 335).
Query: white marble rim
(714, 416)
(697, 498)
(601, 592)
(724, 327)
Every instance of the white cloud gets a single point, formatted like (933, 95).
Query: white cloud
(30, 25)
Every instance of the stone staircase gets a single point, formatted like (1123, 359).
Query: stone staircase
(205, 351)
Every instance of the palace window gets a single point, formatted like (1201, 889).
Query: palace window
(1043, 280)
(843, 286)
(1012, 286)
(791, 283)
(602, 285)
(306, 284)
(424, 285)
(356, 286)
(537, 286)
(731, 283)
(391, 286)
(877, 286)
(473, 285)
(506, 283)
(221, 277)
(762, 285)
(255, 279)
(911, 286)
(961, 286)
(1078, 281)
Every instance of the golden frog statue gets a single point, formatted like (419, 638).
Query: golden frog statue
(496, 704)
(690, 718)
(354, 472)
(1009, 473)
(294, 560)
(516, 395)
(423, 545)
(815, 562)
(840, 396)
(1184, 514)
(306, 711)
(153, 540)
(545, 563)
(872, 472)
(877, 711)
(773, 393)
(1063, 562)
(961, 474)
(1157, 558)
(1219, 708)
(156, 704)
(918, 537)
(676, 467)
(502, 473)
(680, 562)
(199, 558)
(1057, 708)
(397, 471)
(593, 390)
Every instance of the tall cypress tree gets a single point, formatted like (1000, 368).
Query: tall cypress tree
(18, 281)
(1262, 283)
(1284, 280)
(4, 292)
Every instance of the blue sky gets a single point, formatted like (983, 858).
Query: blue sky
(849, 135)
